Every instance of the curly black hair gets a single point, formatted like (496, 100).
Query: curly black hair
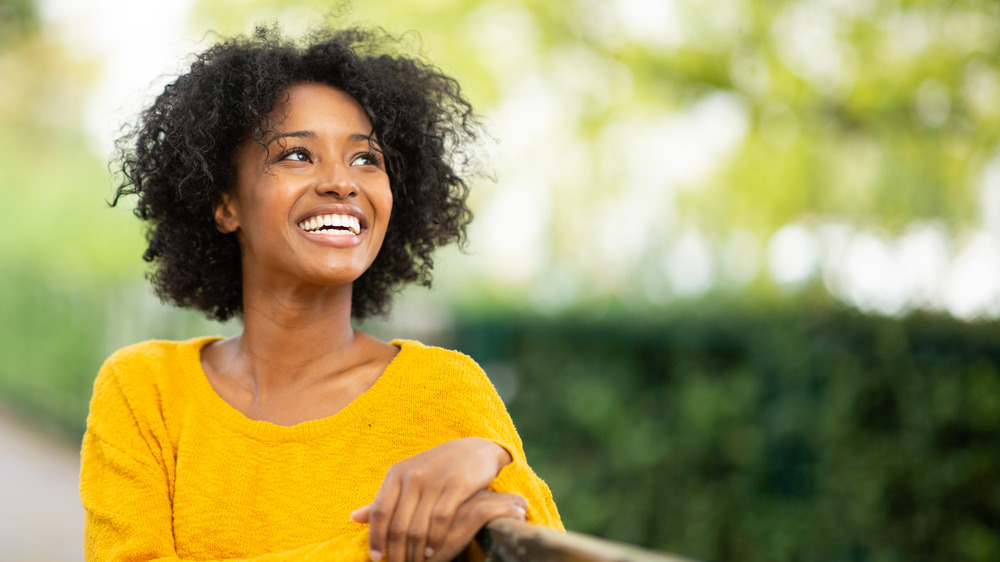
(179, 158)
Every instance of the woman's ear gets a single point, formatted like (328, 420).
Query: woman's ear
(226, 218)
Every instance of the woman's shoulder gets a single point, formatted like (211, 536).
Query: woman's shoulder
(155, 353)
(452, 387)
(138, 381)
(414, 354)
(446, 369)
(152, 365)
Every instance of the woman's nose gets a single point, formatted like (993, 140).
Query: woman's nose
(337, 180)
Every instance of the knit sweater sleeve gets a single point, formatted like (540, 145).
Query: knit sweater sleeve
(482, 414)
(126, 475)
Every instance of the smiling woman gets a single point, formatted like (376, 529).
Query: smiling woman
(296, 187)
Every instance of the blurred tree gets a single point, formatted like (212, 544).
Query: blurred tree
(655, 147)
(648, 150)
(59, 244)
(54, 186)
(17, 17)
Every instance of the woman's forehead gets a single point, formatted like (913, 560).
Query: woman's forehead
(309, 105)
(311, 111)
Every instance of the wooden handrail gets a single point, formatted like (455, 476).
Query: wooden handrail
(510, 540)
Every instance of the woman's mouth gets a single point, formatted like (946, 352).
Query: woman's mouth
(332, 224)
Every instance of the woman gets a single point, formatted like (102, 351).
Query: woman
(296, 188)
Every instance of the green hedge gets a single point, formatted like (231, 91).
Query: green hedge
(52, 338)
(788, 432)
(56, 331)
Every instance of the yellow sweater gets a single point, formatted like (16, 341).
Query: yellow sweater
(173, 472)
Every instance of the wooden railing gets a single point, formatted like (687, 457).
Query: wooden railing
(509, 540)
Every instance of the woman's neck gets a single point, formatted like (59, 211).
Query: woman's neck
(292, 339)
(298, 357)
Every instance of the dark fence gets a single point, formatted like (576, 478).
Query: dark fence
(508, 540)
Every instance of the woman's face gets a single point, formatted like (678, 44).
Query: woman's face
(314, 206)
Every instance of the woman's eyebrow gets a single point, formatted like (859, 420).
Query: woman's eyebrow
(293, 134)
(307, 134)
(370, 138)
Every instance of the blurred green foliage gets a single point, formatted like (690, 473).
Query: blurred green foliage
(792, 431)
(17, 18)
(874, 111)
(52, 334)
(57, 330)
(710, 117)
(744, 430)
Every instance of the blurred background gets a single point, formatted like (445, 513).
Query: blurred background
(738, 277)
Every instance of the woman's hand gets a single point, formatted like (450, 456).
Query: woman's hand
(421, 497)
(475, 512)
(480, 509)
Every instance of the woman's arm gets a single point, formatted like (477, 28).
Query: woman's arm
(415, 508)
(480, 412)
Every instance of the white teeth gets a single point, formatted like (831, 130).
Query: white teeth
(349, 222)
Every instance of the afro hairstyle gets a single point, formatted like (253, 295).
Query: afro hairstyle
(179, 158)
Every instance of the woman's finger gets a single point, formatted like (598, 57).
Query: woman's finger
(416, 541)
(475, 512)
(398, 527)
(380, 513)
(440, 519)
(361, 514)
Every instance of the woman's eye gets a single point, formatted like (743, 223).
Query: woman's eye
(296, 156)
(367, 159)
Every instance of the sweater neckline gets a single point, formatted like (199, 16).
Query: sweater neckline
(214, 405)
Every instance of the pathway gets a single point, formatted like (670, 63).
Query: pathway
(40, 514)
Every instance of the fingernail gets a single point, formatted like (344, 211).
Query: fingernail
(375, 555)
(428, 552)
(521, 513)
